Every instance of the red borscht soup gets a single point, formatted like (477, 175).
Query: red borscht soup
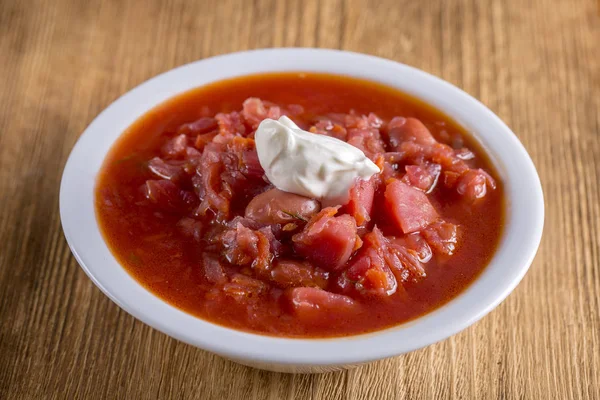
(184, 205)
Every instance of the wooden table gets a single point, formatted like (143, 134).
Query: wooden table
(535, 63)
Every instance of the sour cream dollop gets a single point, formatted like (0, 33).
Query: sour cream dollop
(309, 164)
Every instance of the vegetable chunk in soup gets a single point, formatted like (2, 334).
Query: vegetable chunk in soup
(184, 203)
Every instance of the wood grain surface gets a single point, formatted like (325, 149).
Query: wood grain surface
(536, 63)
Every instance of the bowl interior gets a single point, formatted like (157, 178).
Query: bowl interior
(522, 232)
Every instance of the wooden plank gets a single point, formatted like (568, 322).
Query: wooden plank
(534, 63)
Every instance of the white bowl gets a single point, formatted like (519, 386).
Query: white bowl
(522, 232)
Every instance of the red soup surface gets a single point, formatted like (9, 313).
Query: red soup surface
(184, 205)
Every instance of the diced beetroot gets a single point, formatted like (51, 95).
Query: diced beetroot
(393, 157)
(276, 248)
(423, 177)
(278, 207)
(413, 153)
(203, 139)
(192, 153)
(415, 242)
(442, 237)
(445, 156)
(262, 262)
(198, 127)
(165, 170)
(244, 158)
(210, 170)
(310, 303)
(402, 129)
(450, 178)
(274, 111)
(213, 270)
(368, 274)
(255, 111)
(368, 140)
(360, 203)
(198, 185)
(176, 146)
(374, 121)
(329, 128)
(405, 264)
(239, 144)
(251, 165)
(363, 133)
(230, 125)
(168, 196)
(473, 184)
(289, 273)
(248, 244)
(408, 207)
(327, 241)
(402, 261)
(385, 163)
(233, 181)
(357, 121)
(245, 288)
(240, 245)
(239, 177)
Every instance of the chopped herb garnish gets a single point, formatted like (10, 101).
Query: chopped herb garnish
(295, 215)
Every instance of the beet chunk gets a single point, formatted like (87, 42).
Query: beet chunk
(309, 303)
(408, 207)
(402, 129)
(327, 241)
(360, 203)
(291, 273)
